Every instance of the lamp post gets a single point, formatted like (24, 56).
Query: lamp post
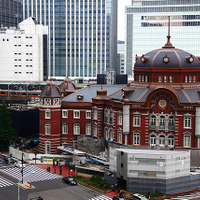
(18, 191)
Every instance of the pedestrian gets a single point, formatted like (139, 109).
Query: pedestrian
(57, 162)
(149, 195)
(53, 163)
(121, 193)
(60, 171)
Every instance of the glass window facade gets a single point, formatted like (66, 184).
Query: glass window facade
(10, 13)
(147, 27)
(82, 35)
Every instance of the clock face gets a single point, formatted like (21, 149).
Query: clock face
(162, 103)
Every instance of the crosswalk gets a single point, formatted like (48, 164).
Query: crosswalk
(195, 195)
(4, 183)
(31, 173)
(101, 197)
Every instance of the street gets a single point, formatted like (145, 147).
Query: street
(47, 185)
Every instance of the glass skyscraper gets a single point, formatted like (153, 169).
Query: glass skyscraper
(10, 13)
(82, 35)
(147, 27)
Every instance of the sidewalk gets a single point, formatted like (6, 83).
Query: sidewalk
(65, 170)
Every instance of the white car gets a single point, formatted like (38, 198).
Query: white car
(139, 197)
(19, 164)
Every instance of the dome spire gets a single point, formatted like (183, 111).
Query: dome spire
(168, 44)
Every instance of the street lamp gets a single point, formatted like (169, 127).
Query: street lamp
(20, 181)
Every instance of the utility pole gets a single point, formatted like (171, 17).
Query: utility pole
(22, 166)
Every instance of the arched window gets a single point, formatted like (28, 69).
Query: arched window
(152, 140)
(171, 140)
(162, 123)
(136, 138)
(119, 136)
(111, 116)
(171, 123)
(111, 136)
(161, 140)
(153, 121)
(106, 116)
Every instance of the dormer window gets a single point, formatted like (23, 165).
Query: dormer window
(166, 59)
(80, 96)
(143, 59)
(190, 59)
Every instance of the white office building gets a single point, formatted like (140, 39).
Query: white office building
(23, 52)
(147, 27)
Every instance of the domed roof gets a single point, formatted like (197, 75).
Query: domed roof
(50, 90)
(67, 85)
(167, 57)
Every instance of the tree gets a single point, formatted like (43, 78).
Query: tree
(7, 132)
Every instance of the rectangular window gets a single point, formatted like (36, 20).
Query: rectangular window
(136, 138)
(95, 113)
(47, 114)
(76, 129)
(64, 128)
(120, 119)
(187, 141)
(76, 114)
(136, 120)
(95, 130)
(47, 147)
(64, 113)
(88, 129)
(187, 122)
(88, 114)
(47, 129)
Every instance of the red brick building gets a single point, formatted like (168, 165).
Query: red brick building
(159, 108)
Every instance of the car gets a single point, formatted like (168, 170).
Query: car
(118, 198)
(138, 197)
(69, 180)
(19, 164)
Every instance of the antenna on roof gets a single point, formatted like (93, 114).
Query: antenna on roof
(168, 44)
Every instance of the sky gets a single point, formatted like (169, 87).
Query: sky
(121, 18)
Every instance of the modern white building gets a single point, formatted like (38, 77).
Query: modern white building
(23, 52)
(145, 170)
(147, 27)
(82, 35)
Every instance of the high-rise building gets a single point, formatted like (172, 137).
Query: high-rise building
(147, 23)
(10, 13)
(82, 35)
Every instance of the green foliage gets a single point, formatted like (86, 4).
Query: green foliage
(95, 181)
(7, 132)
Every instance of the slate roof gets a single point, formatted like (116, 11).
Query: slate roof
(139, 94)
(90, 92)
